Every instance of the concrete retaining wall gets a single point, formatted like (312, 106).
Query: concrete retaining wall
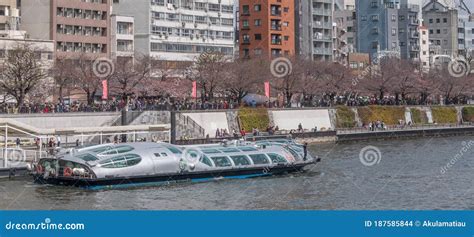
(210, 121)
(309, 119)
(65, 120)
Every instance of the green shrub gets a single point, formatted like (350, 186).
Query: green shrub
(468, 114)
(388, 115)
(251, 118)
(345, 117)
(418, 116)
(444, 115)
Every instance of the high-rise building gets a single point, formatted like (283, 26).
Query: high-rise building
(180, 30)
(466, 35)
(267, 28)
(377, 27)
(408, 31)
(442, 24)
(77, 27)
(9, 15)
(344, 30)
(122, 38)
(315, 29)
(424, 48)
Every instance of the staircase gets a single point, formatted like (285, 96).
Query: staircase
(187, 127)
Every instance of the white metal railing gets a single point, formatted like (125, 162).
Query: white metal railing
(17, 156)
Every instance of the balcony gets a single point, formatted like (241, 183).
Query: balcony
(414, 48)
(321, 37)
(322, 51)
(324, 12)
(276, 28)
(276, 13)
(319, 24)
(276, 42)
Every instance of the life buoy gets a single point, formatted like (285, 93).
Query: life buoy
(67, 172)
(39, 169)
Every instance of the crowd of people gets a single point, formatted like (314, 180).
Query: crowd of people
(143, 104)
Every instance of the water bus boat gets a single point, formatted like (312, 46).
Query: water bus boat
(128, 164)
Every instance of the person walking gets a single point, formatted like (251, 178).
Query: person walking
(18, 142)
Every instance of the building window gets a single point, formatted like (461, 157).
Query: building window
(258, 22)
(245, 10)
(438, 20)
(431, 20)
(445, 20)
(438, 31)
(258, 37)
(257, 7)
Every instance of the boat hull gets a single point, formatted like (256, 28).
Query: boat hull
(240, 173)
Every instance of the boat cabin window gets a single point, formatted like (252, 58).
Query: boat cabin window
(259, 159)
(117, 150)
(276, 158)
(210, 151)
(98, 149)
(221, 161)
(229, 150)
(205, 160)
(174, 150)
(87, 157)
(240, 160)
(248, 149)
(121, 161)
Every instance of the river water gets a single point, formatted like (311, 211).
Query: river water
(410, 174)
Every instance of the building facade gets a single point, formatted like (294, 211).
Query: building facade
(442, 24)
(377, 27)
(78, 27)
(466, 35)
(180, 30)
(344, 34)
(267, 28)
(315, 29)
(9, 15)
(122, 36)
(408, 31)
(424, 48)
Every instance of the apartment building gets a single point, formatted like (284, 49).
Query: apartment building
(377, 27)
(267, 28)
(424, 48)
(408, 31)
(78, 27)
(180, 30)
(442, 24)
(122, 36)
(344, 30)
(315, 29)
(466, 35)
(9, 15)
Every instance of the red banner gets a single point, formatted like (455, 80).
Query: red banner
(105, 90)
(194, 93)
(267, 89)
